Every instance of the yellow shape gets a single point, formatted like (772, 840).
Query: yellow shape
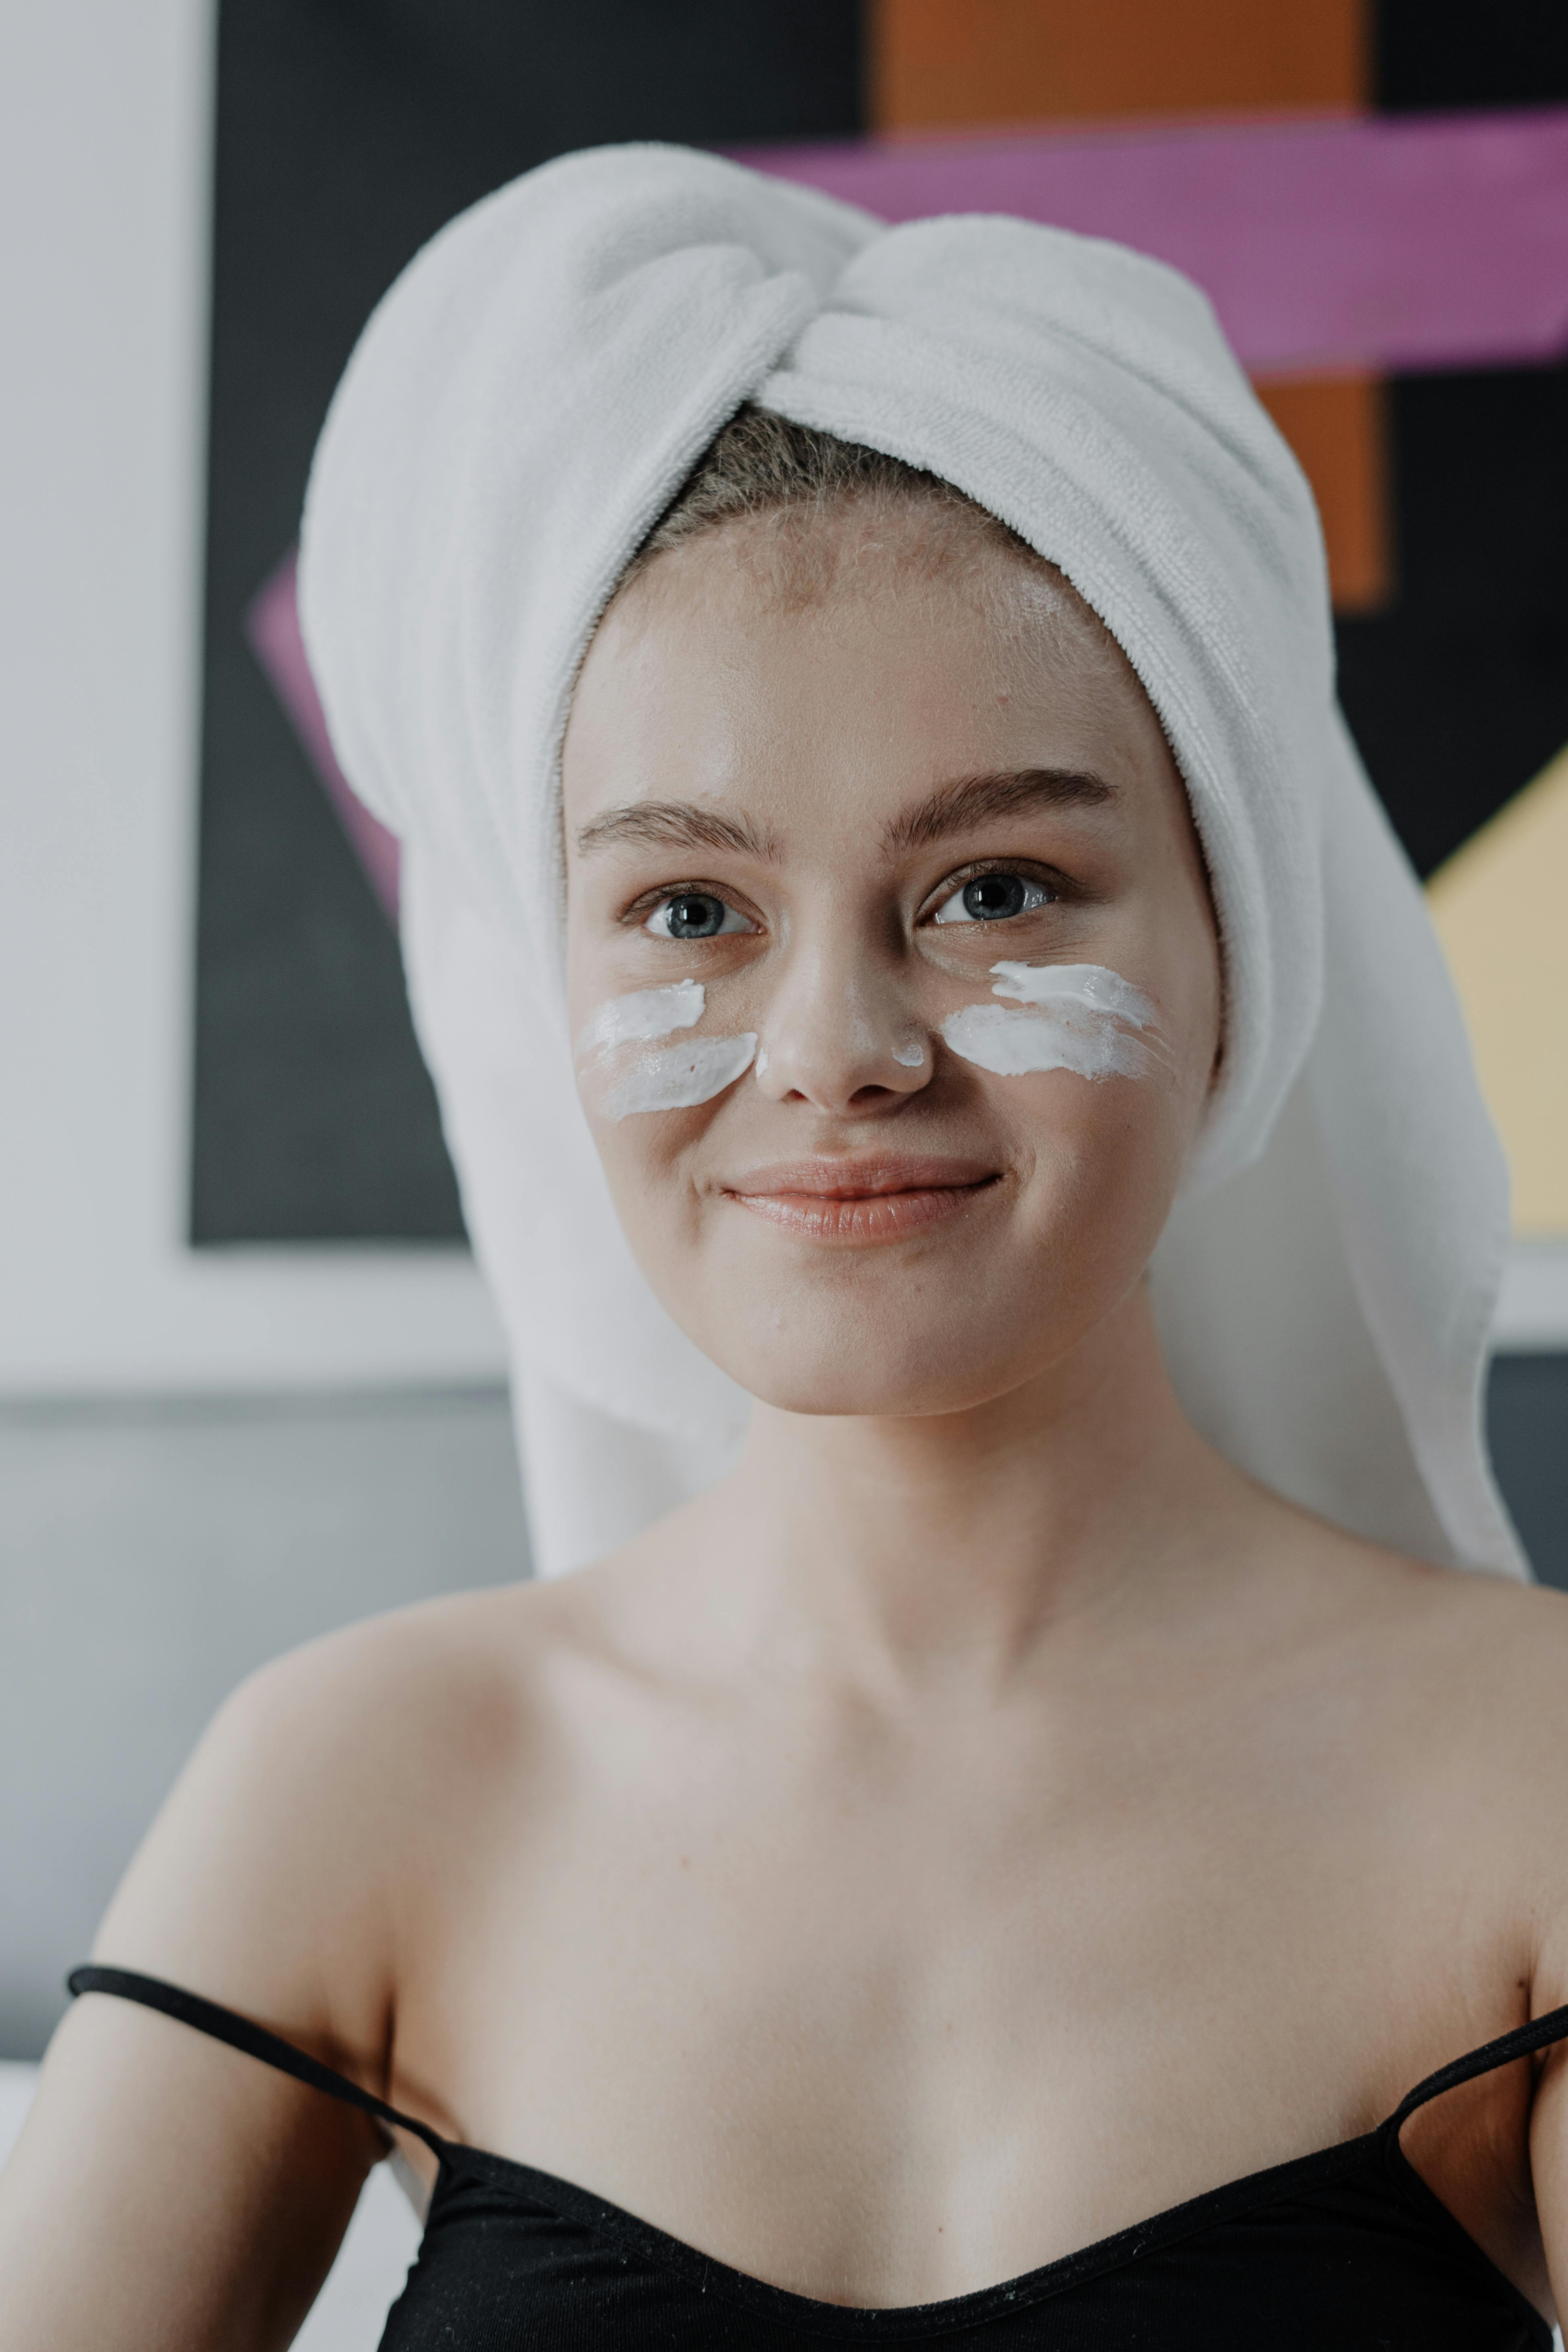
(1501, 905)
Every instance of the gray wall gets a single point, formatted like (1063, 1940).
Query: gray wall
(149, 1557)
(1528, 1419)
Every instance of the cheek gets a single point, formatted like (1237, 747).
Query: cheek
(1103, 1160)
(638, 1052)
(1185, 955)
(1094, 1069)
(635, 1080)
(1083, 1018)
(650, 1066)
(647, 1164)
(609, 1043)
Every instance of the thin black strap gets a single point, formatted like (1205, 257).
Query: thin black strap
(1539, 2034)
(224, 2025)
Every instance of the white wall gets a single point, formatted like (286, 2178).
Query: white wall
(105, 124)
(1534, 1309)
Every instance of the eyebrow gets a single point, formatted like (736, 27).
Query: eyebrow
(970, 801)
(674, 824)
(952, 808)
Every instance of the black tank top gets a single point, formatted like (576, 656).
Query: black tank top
(1346, 2251)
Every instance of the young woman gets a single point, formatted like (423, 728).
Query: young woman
(989, 1864)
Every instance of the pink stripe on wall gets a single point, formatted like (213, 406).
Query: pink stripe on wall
(1415, 244)
(272, 627)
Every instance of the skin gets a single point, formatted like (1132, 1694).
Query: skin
(985, 1819)
(852, 728)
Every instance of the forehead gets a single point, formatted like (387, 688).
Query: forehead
(822, 674)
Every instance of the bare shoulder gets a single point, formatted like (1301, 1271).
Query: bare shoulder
(1495, 1656)
(458, 1670)
(1456, 1683)
(1483, 1652)
(276, 1877)
(1328, 1586)
(1489, 1640)
(1491, 1655)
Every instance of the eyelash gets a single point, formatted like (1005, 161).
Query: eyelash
(1056, 888)
(742, 928)
(652, 903)
(1049, 886)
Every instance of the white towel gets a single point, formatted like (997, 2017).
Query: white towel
(521, 408)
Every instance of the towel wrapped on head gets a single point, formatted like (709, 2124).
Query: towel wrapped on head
(521, 409)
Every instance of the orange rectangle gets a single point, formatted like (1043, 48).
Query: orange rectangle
(935, 64)
(1338, 426)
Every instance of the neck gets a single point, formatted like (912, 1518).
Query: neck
(966, 1537)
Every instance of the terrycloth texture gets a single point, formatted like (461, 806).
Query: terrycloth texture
(521, 409)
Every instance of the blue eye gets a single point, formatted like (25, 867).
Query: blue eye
(694, 915)
(992, 898)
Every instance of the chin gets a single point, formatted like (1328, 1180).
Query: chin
(838, 1363)
(942, 1323)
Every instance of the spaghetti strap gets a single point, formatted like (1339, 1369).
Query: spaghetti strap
(224, 2025)
(1539, 2034)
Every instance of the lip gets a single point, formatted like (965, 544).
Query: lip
(858, 1202)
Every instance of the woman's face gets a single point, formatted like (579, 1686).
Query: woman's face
(816, 793)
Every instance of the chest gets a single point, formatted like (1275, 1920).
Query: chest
(908, 2024)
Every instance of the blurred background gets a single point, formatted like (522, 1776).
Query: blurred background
(249, 1385)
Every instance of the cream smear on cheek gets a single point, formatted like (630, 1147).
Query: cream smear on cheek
(1078, 1016)
(660, 1078)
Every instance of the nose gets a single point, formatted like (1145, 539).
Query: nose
(840, 1033)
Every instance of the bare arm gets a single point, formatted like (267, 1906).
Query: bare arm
(1549, 2171)
(1544, 1810)
(167, 2190)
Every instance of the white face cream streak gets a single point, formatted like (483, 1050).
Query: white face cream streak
(669, 1078)
(1079, 1016)
(677, 1078)
(647, 1012)
(1072, 1016)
